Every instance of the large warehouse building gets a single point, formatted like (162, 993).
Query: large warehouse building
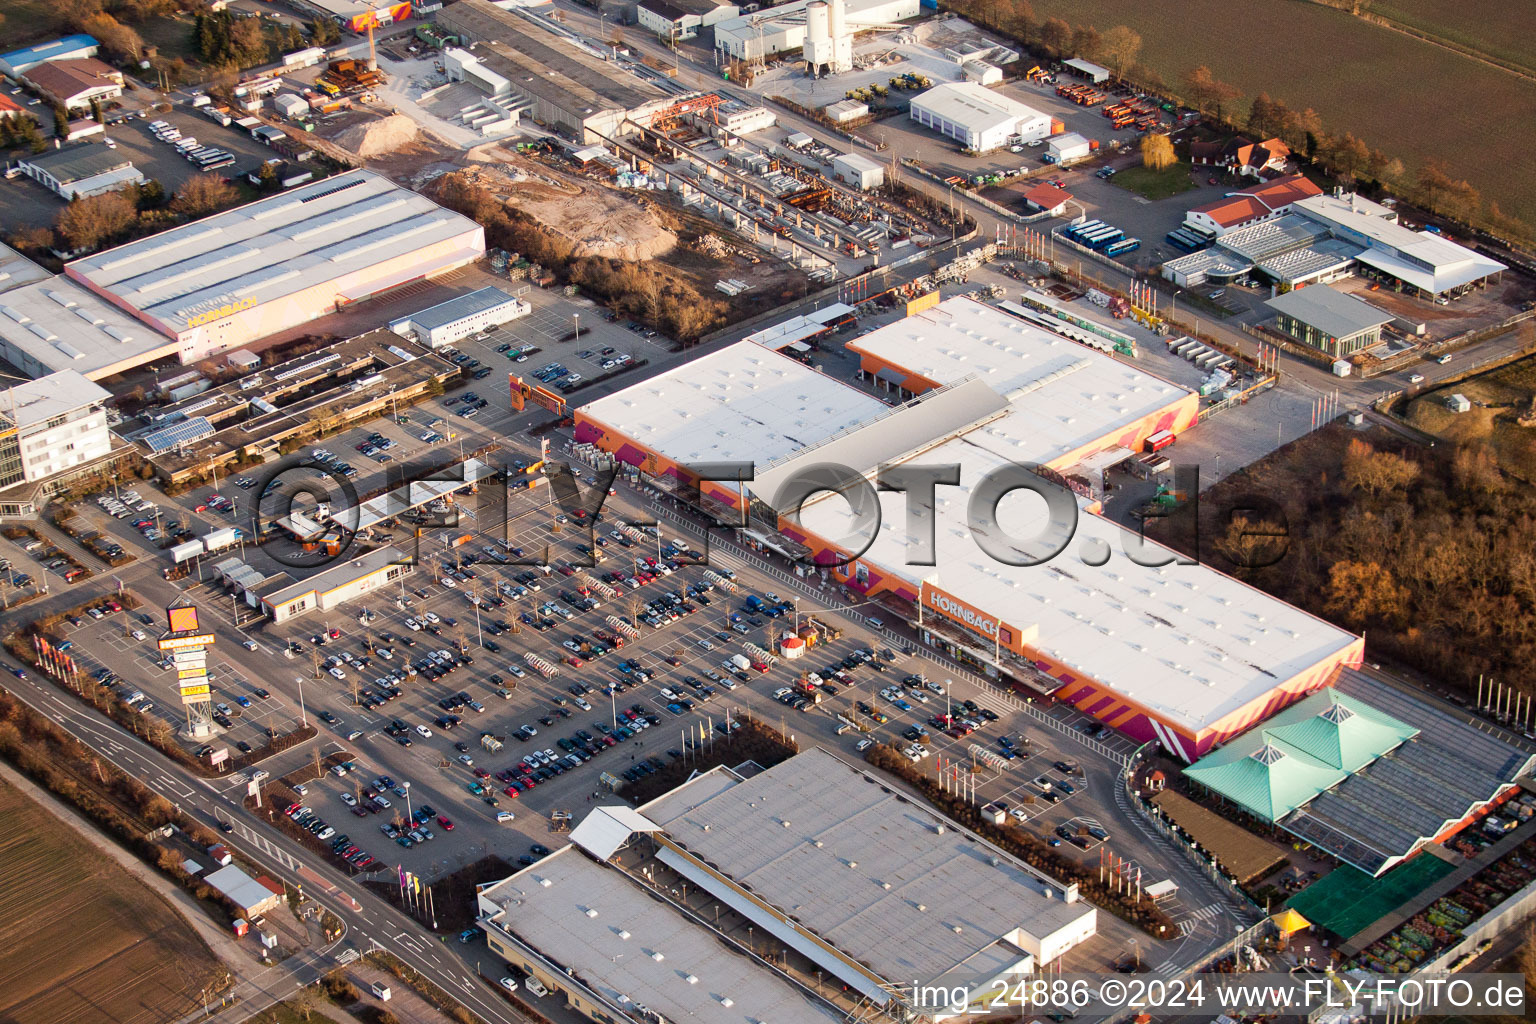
(978, 118)
(49, 324)
(547, 75)
(236, 277)
(992, 392)
(872, 890)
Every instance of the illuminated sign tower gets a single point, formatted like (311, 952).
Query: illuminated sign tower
(186, 644)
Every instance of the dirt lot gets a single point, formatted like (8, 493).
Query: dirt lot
(80, 940)
(1501, 413)
(598, 222)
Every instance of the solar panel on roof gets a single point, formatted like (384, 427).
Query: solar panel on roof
(186, 432)
(333, 190)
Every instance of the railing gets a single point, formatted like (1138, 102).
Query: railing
(1209, 868)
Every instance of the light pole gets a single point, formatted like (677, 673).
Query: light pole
(303, 721)
(479, 633)
(407, 787)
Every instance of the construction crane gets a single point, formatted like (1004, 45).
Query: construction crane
(666, 119)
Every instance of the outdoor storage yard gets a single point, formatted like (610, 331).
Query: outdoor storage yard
(82, 941)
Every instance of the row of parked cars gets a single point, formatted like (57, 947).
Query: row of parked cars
(417, 831)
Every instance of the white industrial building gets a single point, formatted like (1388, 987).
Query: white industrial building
(877, 891)
(825, 35)
(978, 118)
(235, 277)
(290, 105)
(844, 111)
(682, 19)
(1420, 261)
(858, 170)
(460, 316)
(982, 73)
(81, 170)
(1068, 148)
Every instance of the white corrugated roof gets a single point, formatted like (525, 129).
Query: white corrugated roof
(973, 106)
(1063, 395)
(602, 832)
(331, 230)
(743, 402)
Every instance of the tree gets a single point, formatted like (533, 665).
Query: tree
(1206, 93)
(32, 239)
(1266, 118)
(248, 42)
(90, 222)
(96, 114)
(323, 32)
(1348, 156)
(266, 175)
(1157, 152)
(1086, 42)
(60, 122)
(1433, 183)
(202, 194)
(1475, 469)
(1359, 593)
(1376, 473)
(1056, 37)
(116, 38)
(305, 1001)
(1018, 17)
(1119, 48)
(151, 195)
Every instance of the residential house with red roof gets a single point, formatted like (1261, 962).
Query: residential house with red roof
(1250, 205)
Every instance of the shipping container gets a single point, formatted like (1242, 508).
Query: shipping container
(1158, 441)
(218, 540)
(187, 551)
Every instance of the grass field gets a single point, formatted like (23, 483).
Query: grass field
(1155, 184)
(1409, 98)
(80, 939)
(31, 21)
(1498, 399)
(1494, 27)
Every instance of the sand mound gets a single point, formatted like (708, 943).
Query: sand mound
(377, 138)
(597, 222)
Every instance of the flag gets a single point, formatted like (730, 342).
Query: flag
(417, 880)
(401, 871)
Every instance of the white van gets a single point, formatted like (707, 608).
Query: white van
(380, 991)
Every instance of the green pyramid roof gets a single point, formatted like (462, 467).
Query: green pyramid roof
(1304, 750)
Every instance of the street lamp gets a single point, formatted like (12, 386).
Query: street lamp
(407, 787)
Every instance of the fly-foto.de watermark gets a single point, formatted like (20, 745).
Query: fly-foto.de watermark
(302, 497)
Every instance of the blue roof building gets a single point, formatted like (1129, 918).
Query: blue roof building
(69, 48)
